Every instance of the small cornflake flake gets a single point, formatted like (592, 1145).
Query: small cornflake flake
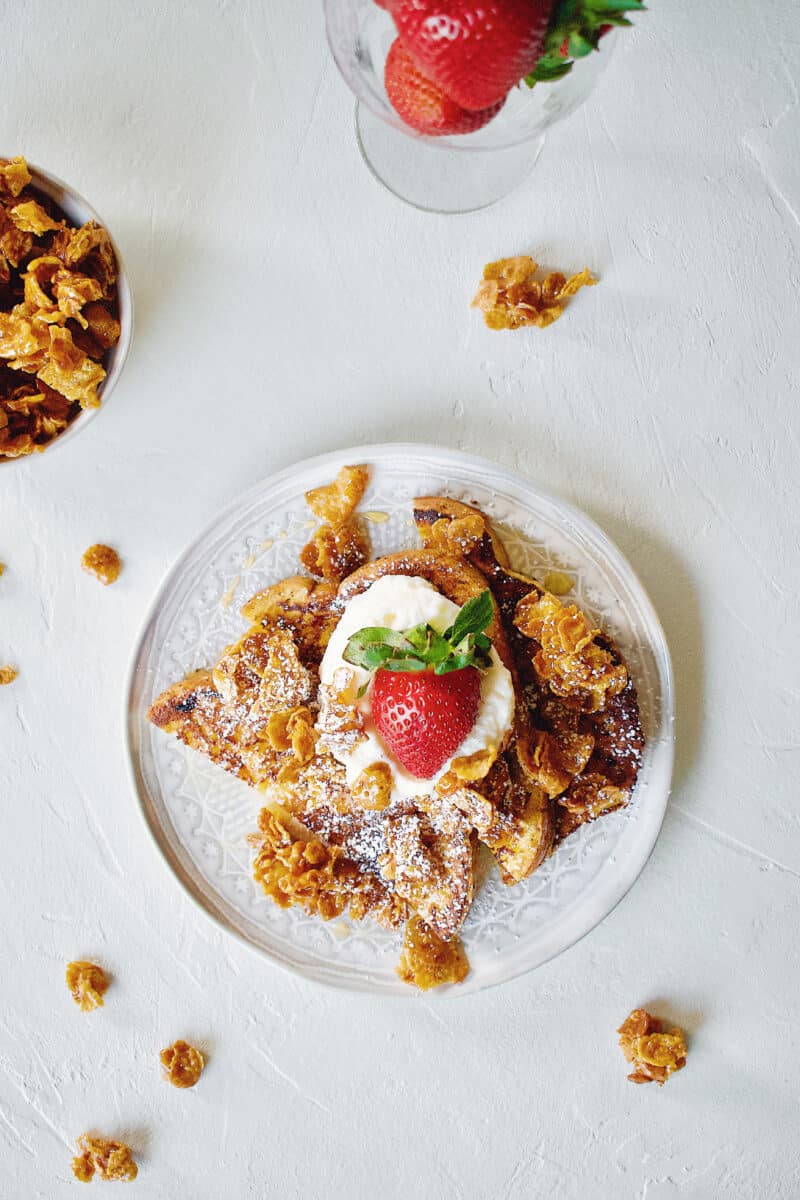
(183, 1064)
(8, 675)
(654, 1051)
(510, 295)
(108, 1159)
(429, 961)
(102, 562)
(88, 984)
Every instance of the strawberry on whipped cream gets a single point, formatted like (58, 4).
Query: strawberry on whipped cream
(399, 602)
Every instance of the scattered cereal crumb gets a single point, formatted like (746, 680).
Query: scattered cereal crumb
(102, 562)
(109, 1159)
(183, 1064)
(2, 568)
(375, 517)
(428, 961)
(8, 675)
(558, 583)
(655, 1053)
(88, 984)
(509, 296)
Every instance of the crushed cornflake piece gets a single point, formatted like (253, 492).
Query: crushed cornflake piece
(30, 217)
(509, 295)
(2, 568)
(8, 675)
(88, 984)
(102, 562)
(558, 582)
(428, 961)
(340, 545)
(335, 503)
(570, 661)
(373, 787)
(655, 1052)
(459, 535)
(70, 371)
(466, 769)
(110, 1160)
(14, 175)
(183, 1064)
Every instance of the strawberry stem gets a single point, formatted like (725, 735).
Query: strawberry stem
(575, 29)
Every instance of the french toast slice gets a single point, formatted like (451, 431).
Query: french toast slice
(225, 713)
(584, 740)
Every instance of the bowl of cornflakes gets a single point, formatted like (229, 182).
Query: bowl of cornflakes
(66, 313)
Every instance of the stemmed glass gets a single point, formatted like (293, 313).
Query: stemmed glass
(453, 173)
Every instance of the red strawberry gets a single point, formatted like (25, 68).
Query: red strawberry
(423, 717)
(423, 105)
(475, 50)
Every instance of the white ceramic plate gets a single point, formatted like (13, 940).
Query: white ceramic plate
(199, 815)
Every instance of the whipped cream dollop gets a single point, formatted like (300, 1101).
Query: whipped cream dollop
(400, 602)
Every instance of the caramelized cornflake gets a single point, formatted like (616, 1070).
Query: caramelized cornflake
(109, 1160)
(183, 1064)
(102, 562)
(334, 553)
(466, 769)
(335, 503)
(510, 295)
(88, 984)
(340, 545)
(14, 175)
(60, 317)
(654, 1051)
(373, 787)
(570, 659)
(429, 961)
(8, 675)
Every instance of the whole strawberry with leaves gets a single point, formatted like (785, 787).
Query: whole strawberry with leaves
(426, 686)
(475, 51)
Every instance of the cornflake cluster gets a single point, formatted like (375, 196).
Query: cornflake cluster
(58, 314)
(103, 562)
(88, 984)
(654, 1052)
(183, 1064)
(510, 295)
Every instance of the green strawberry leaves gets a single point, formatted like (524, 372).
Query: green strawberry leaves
(422, 648)
(575, 29)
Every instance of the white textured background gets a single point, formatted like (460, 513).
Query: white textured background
(287, 305)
